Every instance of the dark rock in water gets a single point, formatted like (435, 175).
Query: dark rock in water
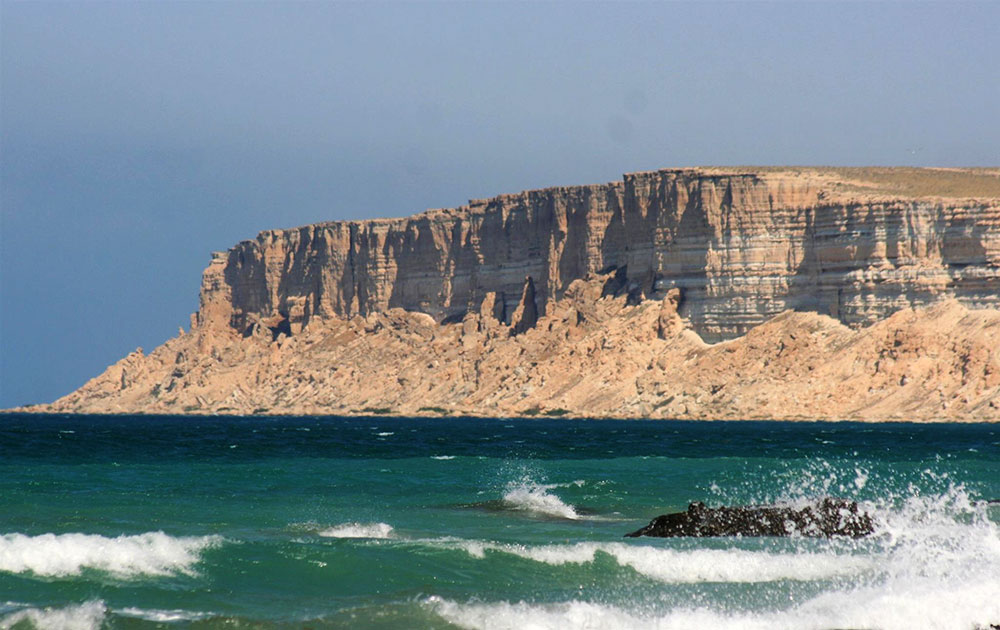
(828, 517)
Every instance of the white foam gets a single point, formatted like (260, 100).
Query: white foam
(86, 616)
(162, 616)
(944, 609)
(443, 457)
(933, 564)
(359, 530)
(861, 478)
(528, 496)
(685, 566)
(55, 555)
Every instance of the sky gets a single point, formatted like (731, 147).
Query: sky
(136, 138)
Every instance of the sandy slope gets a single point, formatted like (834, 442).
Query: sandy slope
(591, 355)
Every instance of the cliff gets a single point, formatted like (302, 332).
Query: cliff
(686, 293)
(742, 245)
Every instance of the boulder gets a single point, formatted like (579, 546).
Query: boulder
(824, 518)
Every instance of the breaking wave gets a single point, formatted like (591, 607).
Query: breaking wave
(86, 616)
(526, 495)
(946, 609)
(359, 530)
(691, 566)
(934, 563)
(59, 555)
(162, 616)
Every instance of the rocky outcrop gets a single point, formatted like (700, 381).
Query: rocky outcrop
(827, 517)
(525, 316)
(592, 355)
(741, 246)
(691, 293)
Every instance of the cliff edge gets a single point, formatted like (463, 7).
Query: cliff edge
(684, 293)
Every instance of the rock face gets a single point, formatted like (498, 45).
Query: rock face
(826, 518)
(742, 246)
(709, 293)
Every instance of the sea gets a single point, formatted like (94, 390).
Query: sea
(378, 522)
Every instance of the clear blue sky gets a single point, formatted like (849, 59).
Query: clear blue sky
(138, 137)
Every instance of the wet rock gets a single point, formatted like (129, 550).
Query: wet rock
(825, 518)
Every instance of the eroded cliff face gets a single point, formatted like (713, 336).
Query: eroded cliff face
(740, 245)
(866, 294)
(592, 355)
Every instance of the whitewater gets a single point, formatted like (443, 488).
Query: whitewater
(129, 522)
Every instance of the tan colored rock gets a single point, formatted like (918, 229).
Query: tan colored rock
(936, 363)
(868, 294)
(669, 322)
(526, 314)
(742, 244)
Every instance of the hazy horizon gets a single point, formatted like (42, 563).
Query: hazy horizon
(136, 138)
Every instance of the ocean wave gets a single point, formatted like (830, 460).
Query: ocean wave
(526, 495)
(59, 555)
(920, 540)
(162, 616)
(944, 608)
(86, 616)
(359, 530)
(683, 566)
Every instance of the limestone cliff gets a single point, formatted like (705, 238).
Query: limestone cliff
(687, 293)
(592, 355)
(742, 245)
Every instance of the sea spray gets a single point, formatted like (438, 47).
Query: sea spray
(941, 610)
(162, 616)
(529, 496)
(87, 616)
(676, 566)
(59, 555)
(933, 563)
(359, 530)
(460, 553)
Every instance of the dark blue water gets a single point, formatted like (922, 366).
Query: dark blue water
(461, 522)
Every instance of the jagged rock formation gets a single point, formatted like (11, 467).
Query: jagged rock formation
(742, 245)
(592, 355)
(827, 518)
(708, 293)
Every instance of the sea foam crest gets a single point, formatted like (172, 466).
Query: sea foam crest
(934, 564)
(86, 616)
(529, 496)
(359, 530)
(937, 610)
(57, 555)
(686, 566)
(162, 616)
(577, 614)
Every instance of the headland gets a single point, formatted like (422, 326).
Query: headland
(717, 293)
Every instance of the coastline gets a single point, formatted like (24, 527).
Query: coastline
(701, 293)
(29, 412)
(937, 364)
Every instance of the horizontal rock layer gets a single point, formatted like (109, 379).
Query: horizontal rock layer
(741, 245)
(702, 293)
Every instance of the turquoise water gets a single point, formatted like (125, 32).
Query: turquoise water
(120, 522)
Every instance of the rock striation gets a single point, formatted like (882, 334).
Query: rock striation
(741, 245)
(870, 294)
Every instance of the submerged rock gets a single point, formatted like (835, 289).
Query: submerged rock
(825, 518)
